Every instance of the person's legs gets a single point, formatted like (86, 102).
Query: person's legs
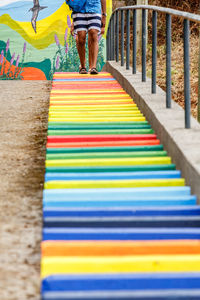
(93, 47)
(77, 48)
(89, 47)
(81, 47)
(80, 29)
(90, 23)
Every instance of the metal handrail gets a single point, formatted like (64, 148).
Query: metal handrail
(170, 11)
(113, 46)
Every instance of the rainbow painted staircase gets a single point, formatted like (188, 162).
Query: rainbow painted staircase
(119, 222)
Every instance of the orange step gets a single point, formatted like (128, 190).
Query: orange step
(103, 144)
(109, 248)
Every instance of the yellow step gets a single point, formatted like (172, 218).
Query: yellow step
(121, 264)
(99, 119)
(94, 162)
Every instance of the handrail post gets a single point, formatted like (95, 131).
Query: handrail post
(127, 39)
(168, 60)
(114, 50)
(198, 106)
(154, 51)
(144, 46)
(122, 38)
(112, 38)
(134, 41)
(117, 36)
(187, 72)
(108, 43)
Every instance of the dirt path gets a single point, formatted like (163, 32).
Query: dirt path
(23, 123)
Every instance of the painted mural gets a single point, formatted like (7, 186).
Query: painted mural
(35, 39)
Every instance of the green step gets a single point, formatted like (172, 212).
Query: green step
(140, 168)
(106, 155)
(104, 149)
(99, 132)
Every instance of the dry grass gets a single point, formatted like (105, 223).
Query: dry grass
(178, 71)
(177, 50)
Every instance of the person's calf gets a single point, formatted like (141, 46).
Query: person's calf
(81, 47)
(93, 47)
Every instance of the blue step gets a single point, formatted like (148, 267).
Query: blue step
(84, 234)
(112, 175)
(129, 295)
(122, 222)
(135, 202)
(121, 212)
(120, 282)
(115, 193)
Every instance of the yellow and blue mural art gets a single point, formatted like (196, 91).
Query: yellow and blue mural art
(35, 39)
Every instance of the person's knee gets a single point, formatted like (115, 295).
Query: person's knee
(81, 39)
(93, 33)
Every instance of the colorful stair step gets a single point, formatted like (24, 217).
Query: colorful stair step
(112, 175)
(97, 119)
(122, 234)
(119, 193)
(106, 162)
(91, 100)
(119, 264)
(117, 211)
(56, 126)
(90, 96)
(84, 79)
(114, 206)
(94, 109)
(98, 184)
(98, 138)
(171, 294)
(125, 113)
(64, 132)
(117, 248)
(106, 155)
(102, 144)
(138, 202)
(121, 282)
(97, 104)
(138, 168)
(105, 149)
(123, 222)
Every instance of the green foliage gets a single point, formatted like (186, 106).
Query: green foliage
(8, 74)
(69, 58)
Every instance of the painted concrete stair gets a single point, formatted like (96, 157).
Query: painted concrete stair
(119, 222)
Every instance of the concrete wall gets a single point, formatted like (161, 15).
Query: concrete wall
(183, 145)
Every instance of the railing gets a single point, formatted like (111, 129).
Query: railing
(113, 46)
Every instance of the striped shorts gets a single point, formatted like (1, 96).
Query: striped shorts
(85, 22)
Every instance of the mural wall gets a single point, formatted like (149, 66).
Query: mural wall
(35, 39)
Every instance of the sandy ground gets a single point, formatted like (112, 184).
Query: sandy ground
(23, 123)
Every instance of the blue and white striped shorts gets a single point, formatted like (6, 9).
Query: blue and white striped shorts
(85, 22)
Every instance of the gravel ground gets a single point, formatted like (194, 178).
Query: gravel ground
(23, 123)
